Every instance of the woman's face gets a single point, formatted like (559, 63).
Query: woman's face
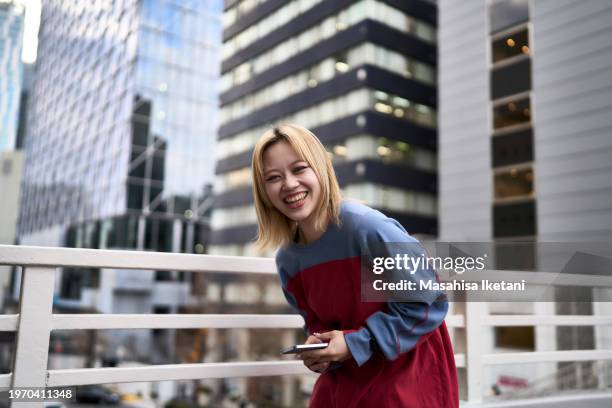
(291, 184)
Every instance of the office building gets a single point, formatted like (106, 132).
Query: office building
(119, 147)
(11, 70)
(360, 74)
(524, 148)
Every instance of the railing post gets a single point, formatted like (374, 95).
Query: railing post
(289, 338)
(474, 312)
(35, 318)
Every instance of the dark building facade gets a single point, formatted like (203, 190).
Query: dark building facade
(360, 74)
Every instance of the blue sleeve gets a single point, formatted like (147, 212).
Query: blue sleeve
(399, 328)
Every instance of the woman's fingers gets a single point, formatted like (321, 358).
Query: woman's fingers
(310, 357)
(310, 361)
(312, 339)
(319, 367)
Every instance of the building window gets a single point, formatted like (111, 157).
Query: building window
(404, 109)
(341, 63)
(511, 79)
(513, 148)
(508, 13)
(510, 45)
(338, 152)
(514, 183)
(517, 219)
(512, 113)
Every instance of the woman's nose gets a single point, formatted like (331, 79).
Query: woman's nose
(290, 182)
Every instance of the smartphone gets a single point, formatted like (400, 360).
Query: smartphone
(303, 347)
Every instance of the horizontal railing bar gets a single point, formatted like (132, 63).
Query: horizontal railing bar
(546, 357)
(189, 321)
(86, 376)
(174, 321)
(5, 380)
(8, 322)
(455, 320)
(546, 320)
(98, 258)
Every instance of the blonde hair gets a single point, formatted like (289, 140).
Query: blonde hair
(274, 228)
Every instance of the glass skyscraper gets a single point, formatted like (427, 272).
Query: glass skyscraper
(11, 37)
(122, 124)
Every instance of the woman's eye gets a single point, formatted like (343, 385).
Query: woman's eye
(299, 169)
(272, 178)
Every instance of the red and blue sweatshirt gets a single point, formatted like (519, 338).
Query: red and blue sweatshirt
(401, 352)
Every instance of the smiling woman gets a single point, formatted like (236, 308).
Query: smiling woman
(378, 353)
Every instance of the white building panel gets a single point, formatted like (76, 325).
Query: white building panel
(464, 122)
(572, 84)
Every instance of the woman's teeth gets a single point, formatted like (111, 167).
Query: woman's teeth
(295, 198)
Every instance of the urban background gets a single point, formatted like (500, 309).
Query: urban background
(129, 124)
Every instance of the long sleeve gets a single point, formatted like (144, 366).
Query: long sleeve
(396, 331)
(400, 327)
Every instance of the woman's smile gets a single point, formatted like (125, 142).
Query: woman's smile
(296, 200)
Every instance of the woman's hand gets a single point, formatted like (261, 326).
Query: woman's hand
(319, 360)
(317, 367)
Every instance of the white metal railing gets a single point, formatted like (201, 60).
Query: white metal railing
(35, 322)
